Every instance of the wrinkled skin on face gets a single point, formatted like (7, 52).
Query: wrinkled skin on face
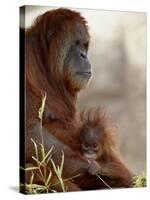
(77, 66)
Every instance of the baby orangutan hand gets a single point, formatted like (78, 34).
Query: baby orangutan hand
(94, 168)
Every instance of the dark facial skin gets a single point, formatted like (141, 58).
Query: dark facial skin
(77, 64)
(91, 148)
(90, 144)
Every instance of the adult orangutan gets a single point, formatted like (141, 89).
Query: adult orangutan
(56, 64)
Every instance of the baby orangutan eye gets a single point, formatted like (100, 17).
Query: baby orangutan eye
(85, 146)
(95, 145)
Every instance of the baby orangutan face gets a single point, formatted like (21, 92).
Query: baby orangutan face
(90, 140)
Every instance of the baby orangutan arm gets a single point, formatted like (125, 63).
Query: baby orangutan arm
(115, 170)
(110, 169)
(94, 167)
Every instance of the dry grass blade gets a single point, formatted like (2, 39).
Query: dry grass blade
(43, 172)
(31, 179)
(41, 109)
(58, 171)
(40, 116)
(36, 160)
(68, 179)
(49, 178)
(35, 189)
(103, 182)
(35, 148)
(62, 164)
(42, 151)
(140, 181)
(101, 179)
(31, 182)
(46, 157)
(29, 168)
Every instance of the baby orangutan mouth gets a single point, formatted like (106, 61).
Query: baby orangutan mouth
(90, 156)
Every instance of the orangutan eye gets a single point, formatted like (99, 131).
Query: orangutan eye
(85, 146)
(95, 146)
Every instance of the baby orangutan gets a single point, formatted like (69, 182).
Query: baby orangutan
(91, 147)
(95, 140)
(92, 137)
(97, 143)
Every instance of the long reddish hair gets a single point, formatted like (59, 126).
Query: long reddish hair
(47, 44)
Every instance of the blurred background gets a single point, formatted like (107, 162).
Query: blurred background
(118, 55)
